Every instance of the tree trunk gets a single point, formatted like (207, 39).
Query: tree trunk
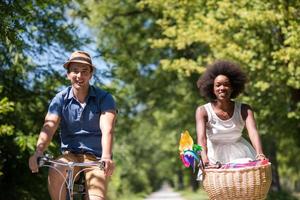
(271, 151)
(193, 182)
(180, 179)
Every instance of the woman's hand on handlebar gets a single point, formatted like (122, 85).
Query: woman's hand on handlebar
(260, 157)
(204, 159)
(217, 165)
(33, 161)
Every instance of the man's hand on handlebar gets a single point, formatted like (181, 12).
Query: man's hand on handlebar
(109, 166)
(33, 163)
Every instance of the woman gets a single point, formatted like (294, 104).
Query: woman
(220, 122)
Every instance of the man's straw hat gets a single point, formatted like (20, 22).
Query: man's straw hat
(79, 57)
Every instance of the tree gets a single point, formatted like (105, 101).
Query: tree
(259, 35)
(30, 31)
(155, 105)
(154, 45)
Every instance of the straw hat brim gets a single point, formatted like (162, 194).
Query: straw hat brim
(66, 64)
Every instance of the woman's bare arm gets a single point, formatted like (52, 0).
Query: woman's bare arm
(201, 119)
(248, 116)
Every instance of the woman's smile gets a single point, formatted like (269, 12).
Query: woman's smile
(222, 87)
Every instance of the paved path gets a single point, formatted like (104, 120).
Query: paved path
(165, 193)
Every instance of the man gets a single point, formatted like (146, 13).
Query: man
(86, 116)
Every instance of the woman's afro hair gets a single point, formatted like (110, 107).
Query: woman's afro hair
(236, 76)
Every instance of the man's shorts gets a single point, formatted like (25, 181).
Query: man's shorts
(96, 181)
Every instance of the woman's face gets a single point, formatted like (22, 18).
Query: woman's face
(222, 87)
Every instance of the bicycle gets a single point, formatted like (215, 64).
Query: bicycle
(70, 179)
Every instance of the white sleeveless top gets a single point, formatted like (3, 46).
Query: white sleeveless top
(224, 137)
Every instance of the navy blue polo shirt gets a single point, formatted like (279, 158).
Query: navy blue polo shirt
(80, 129)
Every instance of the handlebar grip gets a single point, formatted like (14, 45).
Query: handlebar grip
(101, 165)
(40, 161)
(213, 166)
(43, 159)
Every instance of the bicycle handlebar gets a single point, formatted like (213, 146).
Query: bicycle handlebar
(49, 159)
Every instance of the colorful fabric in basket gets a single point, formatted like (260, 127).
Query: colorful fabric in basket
(250, 163)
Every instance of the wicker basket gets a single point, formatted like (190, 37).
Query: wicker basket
(251, 183)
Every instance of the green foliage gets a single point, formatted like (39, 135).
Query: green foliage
(262, 37)
(34, 37)
(5, 107)
(155, 50)
(5, 130)
(202, 195)
(199, 195)
(283, 195)
(154, 46)
(155, 105)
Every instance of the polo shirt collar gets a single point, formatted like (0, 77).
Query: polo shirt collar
(91, 93)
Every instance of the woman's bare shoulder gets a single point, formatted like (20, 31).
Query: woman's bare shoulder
(245, 110)
(201, 111)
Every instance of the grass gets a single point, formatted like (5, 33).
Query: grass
(130, 196)
(190, 195)
(186, 194)
(201, 195)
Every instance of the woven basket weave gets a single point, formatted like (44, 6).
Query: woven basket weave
(251, 183)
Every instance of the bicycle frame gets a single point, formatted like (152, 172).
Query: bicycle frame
(70, 179)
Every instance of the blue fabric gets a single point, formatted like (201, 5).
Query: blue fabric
(80, 129)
